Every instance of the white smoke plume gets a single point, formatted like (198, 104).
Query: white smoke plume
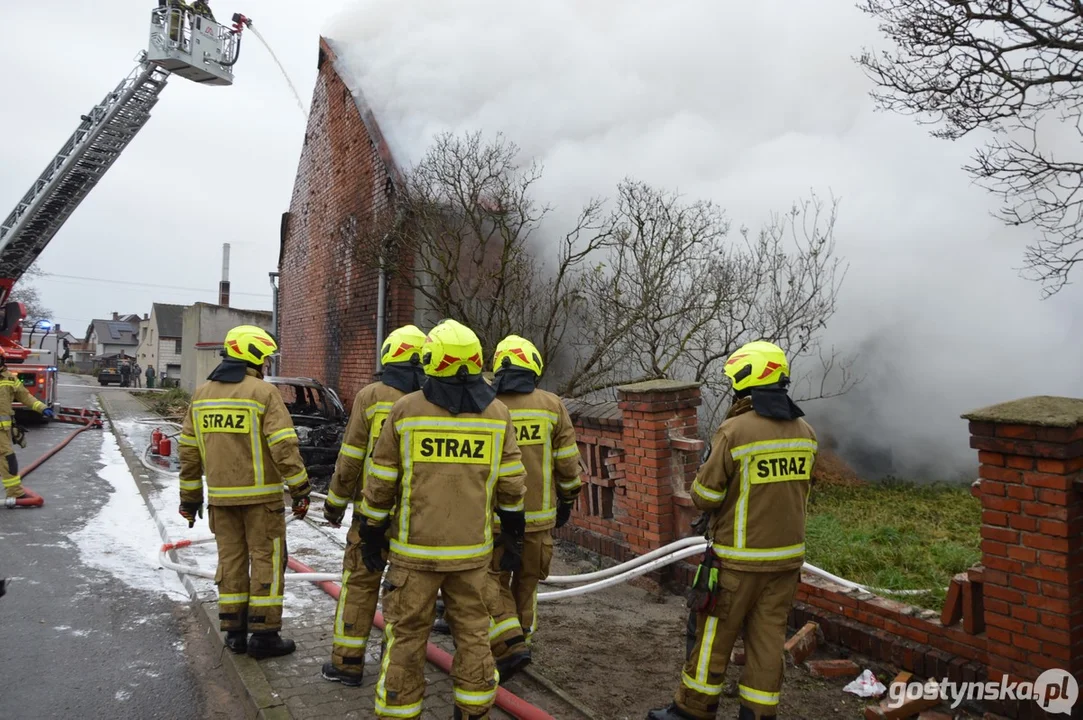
(752, 105)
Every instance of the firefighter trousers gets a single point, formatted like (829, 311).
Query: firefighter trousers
(9, 467)
(409, 608)
(512, 598)
(356, 605)
(251, 564)
(759, 604)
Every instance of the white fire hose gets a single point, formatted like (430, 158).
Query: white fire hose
(585, 583)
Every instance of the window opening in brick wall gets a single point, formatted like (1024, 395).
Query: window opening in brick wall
(179, 348)
(598, 495)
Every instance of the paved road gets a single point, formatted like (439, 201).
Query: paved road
(76, 641)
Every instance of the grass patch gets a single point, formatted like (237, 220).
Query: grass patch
(170, 404)
(895, 535)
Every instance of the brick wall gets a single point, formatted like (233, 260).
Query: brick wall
(327, 300)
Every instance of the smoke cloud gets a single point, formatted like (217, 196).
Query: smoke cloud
(751, 105)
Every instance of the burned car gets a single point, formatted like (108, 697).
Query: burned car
(320, 419)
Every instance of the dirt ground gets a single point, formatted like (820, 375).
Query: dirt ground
(619, 652)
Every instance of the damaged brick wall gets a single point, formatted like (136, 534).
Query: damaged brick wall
(327, 298)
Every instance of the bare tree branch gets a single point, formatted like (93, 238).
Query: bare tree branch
(1011, 67)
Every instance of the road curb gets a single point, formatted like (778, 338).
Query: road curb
(261, 702)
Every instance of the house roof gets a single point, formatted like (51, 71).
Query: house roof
(170, 319)
(116, 332)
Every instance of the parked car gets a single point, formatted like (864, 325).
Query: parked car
(108, 376)
(320, 419)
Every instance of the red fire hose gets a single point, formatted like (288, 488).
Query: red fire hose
(506, 701)
(32, 499)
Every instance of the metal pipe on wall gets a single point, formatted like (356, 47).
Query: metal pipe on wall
(272, 276)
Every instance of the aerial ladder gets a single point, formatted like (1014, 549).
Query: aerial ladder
(181, 43)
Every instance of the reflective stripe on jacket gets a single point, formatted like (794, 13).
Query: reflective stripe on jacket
(546, 437)
(241, 437)
(756, 479)
(446, 474)
(370, 408)
(12, 390)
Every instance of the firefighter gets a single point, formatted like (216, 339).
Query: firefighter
(238, 433)
(546, 438)
(402, 374)
(446, 456)
(202, 8)
(12, 390)
(754, 484)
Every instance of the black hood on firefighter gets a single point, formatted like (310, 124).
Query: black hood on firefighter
(232, 371)
(515, 380)
(467, 394)
(774, 403)
(406, 377)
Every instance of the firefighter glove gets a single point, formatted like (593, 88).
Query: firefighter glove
(48, 412)
(564, 513)
(18, 435)
(333, 514)
(189, 510)
(372, 546)
(300, 507)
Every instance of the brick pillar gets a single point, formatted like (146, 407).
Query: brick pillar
(1031, 455)
(657, 417)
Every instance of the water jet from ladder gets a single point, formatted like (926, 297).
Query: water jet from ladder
(293, 88)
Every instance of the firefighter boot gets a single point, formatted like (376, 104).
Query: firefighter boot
(237, 641)
(269, 644)
(670, 712)
(349, 679)
(514, 661)
(746, 713)
(441, 625)
(458, 715)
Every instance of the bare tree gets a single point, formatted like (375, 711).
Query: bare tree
(1012, 67)
(651, 286)
(675, 295)
(29, 296)
(465, 239)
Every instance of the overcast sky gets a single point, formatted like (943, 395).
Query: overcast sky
(213, 164)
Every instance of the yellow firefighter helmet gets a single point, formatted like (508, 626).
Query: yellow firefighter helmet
(402, 345)
(757, 364)
(515, 351)
(451, 348)
(250, 343)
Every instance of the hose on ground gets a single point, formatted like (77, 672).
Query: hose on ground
(506, 701)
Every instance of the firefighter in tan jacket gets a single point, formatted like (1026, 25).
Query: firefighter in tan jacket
(239, 434)
(754, 485)
(446, 457)
(402, 374)
(546, 438)
(12, 391)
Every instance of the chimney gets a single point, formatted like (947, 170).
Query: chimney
(223, 287)
(116, 316)
(146, 316)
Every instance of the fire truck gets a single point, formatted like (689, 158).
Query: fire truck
(190, 46)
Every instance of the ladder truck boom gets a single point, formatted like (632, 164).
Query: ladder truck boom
(193, 47)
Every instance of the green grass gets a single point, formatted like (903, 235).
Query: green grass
(895, 535)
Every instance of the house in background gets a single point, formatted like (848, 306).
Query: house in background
(112, 337)
(160, 340)
(204, 331)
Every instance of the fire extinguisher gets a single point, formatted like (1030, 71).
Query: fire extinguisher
(165, 446)
(155, 441)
